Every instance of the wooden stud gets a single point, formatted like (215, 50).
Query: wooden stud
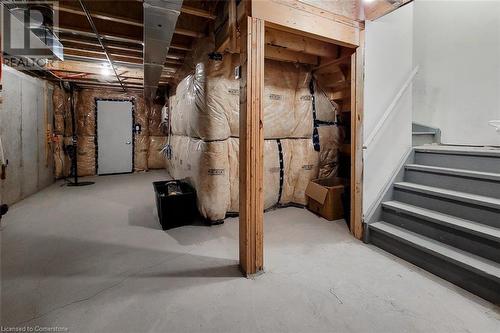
(303, 19)
(281, 54)
(197, 12)
(357, 75)
(251, 146)
(298, 43)
(233, 33)
(335, 62)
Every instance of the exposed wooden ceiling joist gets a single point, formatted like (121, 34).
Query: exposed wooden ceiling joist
(66, 41)
(133, 46)
(127, 21)
(332, 63)
(198, 12)
(71, 66)
(281, 54)
(300, 43)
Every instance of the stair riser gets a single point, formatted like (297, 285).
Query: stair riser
(463, 210)
(480, 285)
(480, 246)
(469, 185)
(423, 139)
(467, 162)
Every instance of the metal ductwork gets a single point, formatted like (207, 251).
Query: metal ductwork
(160, 18)
(30, 30)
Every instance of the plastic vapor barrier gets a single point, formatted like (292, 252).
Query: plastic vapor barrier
(301, 138)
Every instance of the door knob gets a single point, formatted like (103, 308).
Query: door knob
(128, 142)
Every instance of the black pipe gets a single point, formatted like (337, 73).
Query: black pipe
(75, 138)
(74, 161)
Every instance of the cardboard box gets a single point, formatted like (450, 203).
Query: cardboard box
(325, 197)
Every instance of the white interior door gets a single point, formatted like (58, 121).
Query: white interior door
(114, 137)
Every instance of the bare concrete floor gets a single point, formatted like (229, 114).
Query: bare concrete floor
(94, 259)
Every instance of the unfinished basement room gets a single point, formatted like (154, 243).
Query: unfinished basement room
(250, 166)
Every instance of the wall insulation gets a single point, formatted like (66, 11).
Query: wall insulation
(301, 141)
(147, 115)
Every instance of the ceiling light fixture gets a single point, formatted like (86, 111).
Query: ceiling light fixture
(106, 69)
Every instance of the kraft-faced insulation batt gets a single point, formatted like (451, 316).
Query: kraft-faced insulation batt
(213, 169)
(86, 155)
(156, 160)
(141, 148)
(85, 110)
(206, 103)
(204, 119)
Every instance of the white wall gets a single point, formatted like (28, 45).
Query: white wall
(457, 47)
(22, 128)
(388, 64)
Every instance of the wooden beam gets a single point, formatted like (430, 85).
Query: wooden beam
(66, 41)
(331, 79)
(111, 83)
(376, 9)
(281, 54)
(299, 43)
(128, 21)
(340, 95)
(66, 48)
(332, 63)
(303, 19)
(135, 47)
(96, 56)
(357, 78)
(233, 33)
(71, 66)
(197, 12)
(99, 15)
(89, 33)
(251, 146)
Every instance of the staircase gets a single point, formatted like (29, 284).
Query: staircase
(422, 134)
(445, 217)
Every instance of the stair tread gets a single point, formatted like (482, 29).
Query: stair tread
(463, 258)
(451, 194)
(423, 133)
(459, 150)
(476, 228)
(456, 172)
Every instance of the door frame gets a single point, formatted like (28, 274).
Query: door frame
(96, 140)
(302, 20)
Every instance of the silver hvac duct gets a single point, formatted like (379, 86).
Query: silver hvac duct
(29, 30)
(160, 18)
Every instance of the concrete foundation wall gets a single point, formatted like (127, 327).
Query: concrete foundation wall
(25, 115)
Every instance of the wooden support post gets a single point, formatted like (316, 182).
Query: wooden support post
(357, 82)
(233, 33)
(251, 146)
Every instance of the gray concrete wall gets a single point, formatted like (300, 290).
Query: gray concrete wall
(26, 112)
(457, 48)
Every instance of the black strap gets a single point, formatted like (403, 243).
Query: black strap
(315, 137)
(282, 168)
(322, 122)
